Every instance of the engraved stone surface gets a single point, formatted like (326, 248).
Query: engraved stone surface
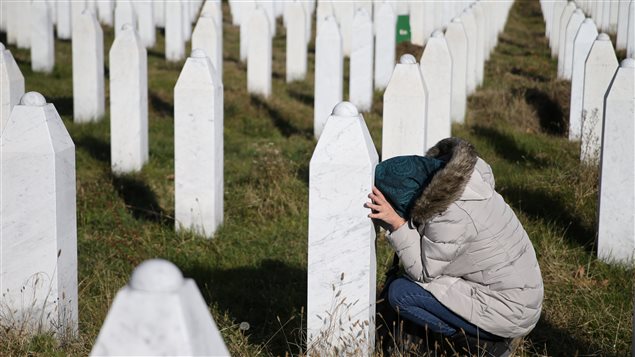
(361, 64)
(341, 258)
(581, 47)
(457, 44)
(11, 85)
(88, 69)
(259, 54)
(385, 47)
(329, 72)
(38, 235)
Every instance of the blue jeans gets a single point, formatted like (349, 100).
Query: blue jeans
(417, 305)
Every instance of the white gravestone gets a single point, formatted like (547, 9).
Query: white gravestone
(329, 72)
(42, 39)
(566, 60)
(214, 8)
(616, 229)
(404, 113)
(158, 13)
(471, 32)
(174, 40)
(207, 38)
(581, 47)
(105, 12)
(436, 70)
(64, 25)
(479, 17)
(88, 69)
(52, 10)
(344, 13)
(159, 313)
(11, 18)
(22, 23)
(599, 69)
(259, 54)
(38, 263)
(124, 14)
(622, 25)
(361, 63)
(11, 85)
(198, 147)
(555, 27)
(296, 56)
(385, 47)
(77, 7)
(417, 23)
(562, 30)
(186, 20)
(128, 102)
(630, 37)
(341, 259)
(145, 22)
(606, 16)
(268, 7)
(247, 8)
(457, 44)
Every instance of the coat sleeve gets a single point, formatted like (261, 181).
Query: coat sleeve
(406, 242)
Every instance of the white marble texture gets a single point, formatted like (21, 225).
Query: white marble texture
(329, 72)
(296, 51)
(572, 30)
(128, 102)
(174, 40)
(105, 12)
(246, 9)
(361, 63)
(198, 147)
(555, 27)
(11, 85)
(587, 34)
(145, 22)
(479, 17)
(457, 44)
(259, 54)
(64, 25)
(471, 32)
(341, 259)
(124, 14)
(404, 112)
(436, 70)
(42, 38)
(207, 38)
(88, 69)
(344, 13)
(159, 313)
(616, 228)
(385, 46)
(599, 70)
(38, 234)
(562, 31)
(622, 25)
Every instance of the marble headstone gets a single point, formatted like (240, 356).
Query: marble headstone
(159, 313)
(581, 47)
(259, 54)
(361, 63)
(630, 37)
(214, 8)
(479, 17)
(436, 70)
(128, 102)
(616, 228)
(622, 25)
(186, 20)
(246, 10)
(344, 13)
(404, 113)
(562, 29)
(385, 47)
(555, 27)
(38, 263)
(417, 23)
(296, 56)
(457, 44)
(88, 69)
(145, 22)
(77, 8)
(341, 258)
(64, 24)
(565, 63)
(11, 85)
(105, 12)
(158, 9)
(471, 32)
(198, 147)
(174, 40)
(22, 23)
(42, 39)
(207, 38)
(124, 14)
(599, 69)
(329, 72)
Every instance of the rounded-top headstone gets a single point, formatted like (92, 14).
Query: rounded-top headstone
(603, 37)
(345, 109)
(628, 63)
(33, 99)
(198, 53)
(408, 59)
(587, 20)
(126, 27)
(437, 34)
(156, 275)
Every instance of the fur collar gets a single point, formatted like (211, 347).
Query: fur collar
(447, 184)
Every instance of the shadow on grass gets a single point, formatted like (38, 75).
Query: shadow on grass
(542, 205)
(140, 200)
(97, 148)
(304, 98)
(161, 106)
(552, 341)
(506, 146)
(266, 296)
(551, 115)
(285, 127)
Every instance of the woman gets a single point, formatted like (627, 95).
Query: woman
(470, 265)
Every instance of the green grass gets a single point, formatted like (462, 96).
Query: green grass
(254, 270)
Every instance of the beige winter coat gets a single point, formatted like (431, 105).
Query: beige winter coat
(465, 245)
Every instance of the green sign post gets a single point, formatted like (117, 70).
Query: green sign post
(403, 28)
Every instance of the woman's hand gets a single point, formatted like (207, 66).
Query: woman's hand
(383, 211)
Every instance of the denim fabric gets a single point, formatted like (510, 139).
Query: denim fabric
(417, 305)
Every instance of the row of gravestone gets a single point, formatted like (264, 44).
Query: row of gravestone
(419, 104)
(601, 110)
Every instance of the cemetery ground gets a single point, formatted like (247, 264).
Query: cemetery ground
(254, 270)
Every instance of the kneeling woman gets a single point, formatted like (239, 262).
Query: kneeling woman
(470, 265)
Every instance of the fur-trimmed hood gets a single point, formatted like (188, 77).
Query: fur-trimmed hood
(448, 184)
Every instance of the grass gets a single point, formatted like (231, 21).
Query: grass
(254, 270)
